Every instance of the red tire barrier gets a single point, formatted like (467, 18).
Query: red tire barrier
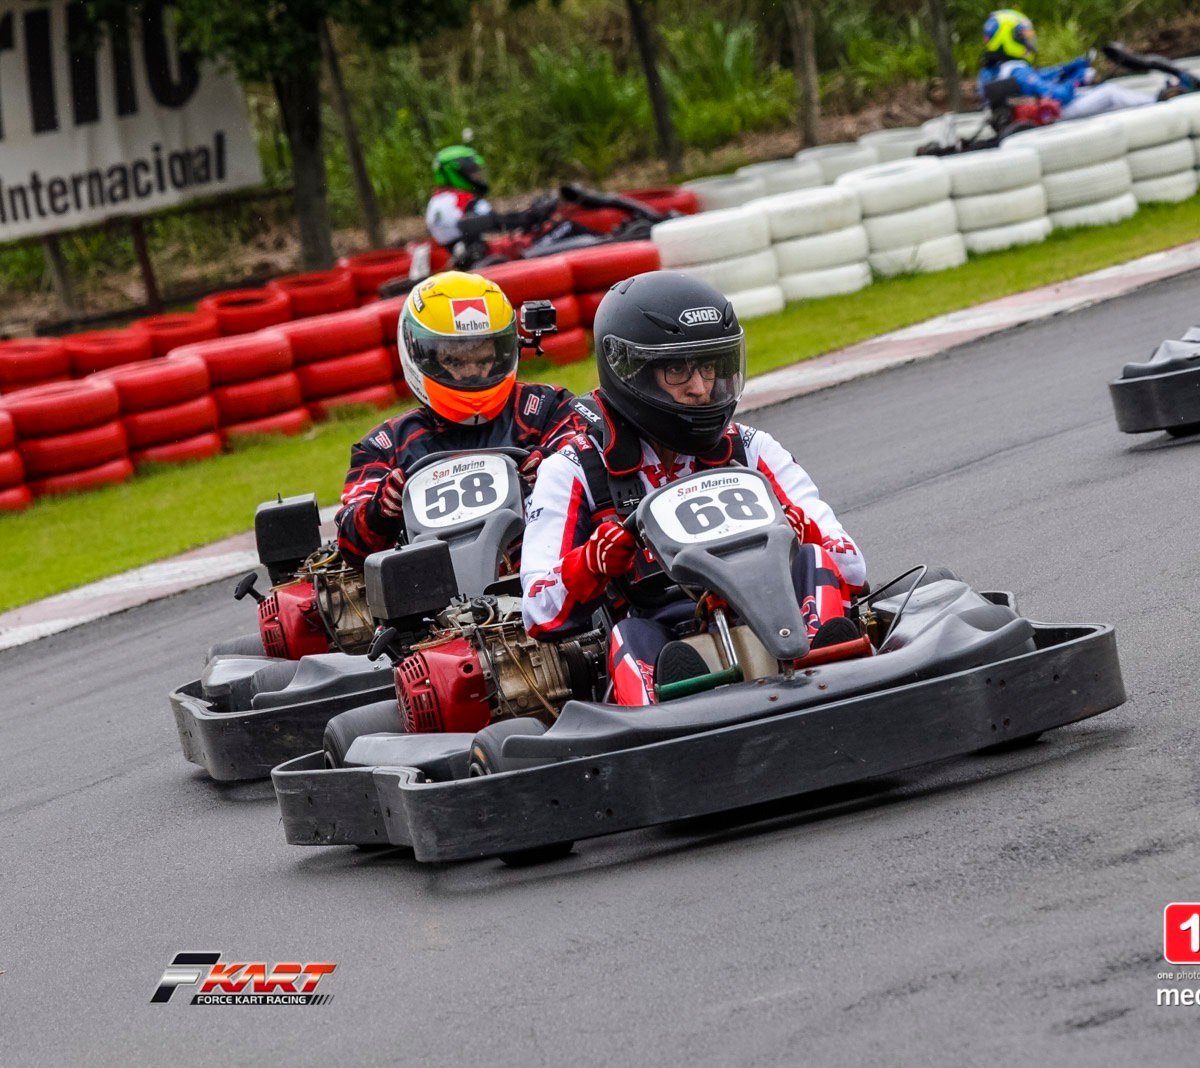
(62, 407)
(12, 469)
(179, 421)
(345, 374)
(588, 303)
(326, 336)
(603, 266)
(371, 269)
(8, 432)
(198, 447)
(247, 401)
(32, 361)
(439, 258)
(242, 311)
(568, 312)
(403, 393)
(97, 350)
(294, 422)
(81, 449)
(16, 499)
(76, 481)
(538, 279)
(241, 359)
(666, 198)
(167, 332)
(571, 346)
(317, 293)
(151, 384)
(373, 396)
(388, 314)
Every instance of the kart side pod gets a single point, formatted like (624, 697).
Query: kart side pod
(410, 582)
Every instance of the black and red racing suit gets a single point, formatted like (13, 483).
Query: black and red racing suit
(536, 417)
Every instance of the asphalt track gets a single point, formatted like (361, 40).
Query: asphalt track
(995, 908)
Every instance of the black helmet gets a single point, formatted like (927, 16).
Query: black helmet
(667, 322)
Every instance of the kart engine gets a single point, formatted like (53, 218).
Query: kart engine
(323, 607)
(470, 673)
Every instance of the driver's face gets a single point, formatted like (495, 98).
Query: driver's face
(470, 360)
(694, 389)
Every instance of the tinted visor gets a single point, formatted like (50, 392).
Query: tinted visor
(693, 374)
(473, 173)
(461, 361)
(1024, 34)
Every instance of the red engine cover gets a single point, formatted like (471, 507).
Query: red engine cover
(289, 624)
(443, 689)
(1040, 112)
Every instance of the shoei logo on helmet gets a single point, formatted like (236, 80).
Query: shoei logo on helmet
(470, 314)
(696, 316)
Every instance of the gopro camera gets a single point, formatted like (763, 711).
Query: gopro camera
(539, 317)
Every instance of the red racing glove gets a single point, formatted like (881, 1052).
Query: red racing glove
(608, 553)
(528, 468)
(389, 495)
(796, 520)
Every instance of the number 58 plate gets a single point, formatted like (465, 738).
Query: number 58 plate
(713, 505)
(457, 491)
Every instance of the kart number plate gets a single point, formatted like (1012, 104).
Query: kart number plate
(714, 506)
(460, 490)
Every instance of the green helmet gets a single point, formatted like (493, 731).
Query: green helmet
(460, 167)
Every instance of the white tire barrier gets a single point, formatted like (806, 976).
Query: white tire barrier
(812, 285)
(987, 171)
(1158, 161)
(887, 188)
(1072, 145)
(737, 273)
(835, 160)
(713, 235)
(1189, 107)
(936, 254)
(751, 303)
(1014, 235)
(1000, 209)
(906, 229)
(1104, 213)
(1154, 124)
(1087, 185)
(896, 143)
(958, 126)
(725, 191)
(802, 255)
(783, 176)
(809, 211)
(1170, 189)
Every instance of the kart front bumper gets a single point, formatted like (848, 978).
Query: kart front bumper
(1157, 402)
(1073, 674)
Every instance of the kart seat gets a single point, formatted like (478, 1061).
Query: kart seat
(1169, 356)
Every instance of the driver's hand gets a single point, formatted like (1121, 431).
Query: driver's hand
(610, 551)
(528, 468)
(797, 520)
(390, 494)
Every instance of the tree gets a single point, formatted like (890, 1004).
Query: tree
(943, 44)
(801, 22)
(647, 46)
(279, 43)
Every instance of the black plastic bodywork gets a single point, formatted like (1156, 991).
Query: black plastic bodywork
(1163, 393)
(611, 769)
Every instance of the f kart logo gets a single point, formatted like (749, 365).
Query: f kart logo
(470, 314)
(254, 983)
(698, 316)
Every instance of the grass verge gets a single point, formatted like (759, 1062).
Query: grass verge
(64, 542)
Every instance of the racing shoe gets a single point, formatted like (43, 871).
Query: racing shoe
(678, 661)
(834, 632)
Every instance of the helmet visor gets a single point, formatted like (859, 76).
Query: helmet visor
(690, 375)
(460, 361)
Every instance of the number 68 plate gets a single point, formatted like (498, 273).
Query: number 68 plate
(713, 505)
(457, 491)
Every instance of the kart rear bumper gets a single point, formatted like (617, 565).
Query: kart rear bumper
(1073, 674)
(1157, 402)
(234, 746)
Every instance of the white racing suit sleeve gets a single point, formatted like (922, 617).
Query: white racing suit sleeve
(443, 212)
(558, 517)
(793, 485)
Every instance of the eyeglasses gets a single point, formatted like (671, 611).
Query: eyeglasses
(678, 374)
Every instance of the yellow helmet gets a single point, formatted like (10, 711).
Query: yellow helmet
(458, 346)
(1009, 33)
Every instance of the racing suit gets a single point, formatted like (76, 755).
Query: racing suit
(1066, 84)
(444, 210)
(536, 417)
(564, 510)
